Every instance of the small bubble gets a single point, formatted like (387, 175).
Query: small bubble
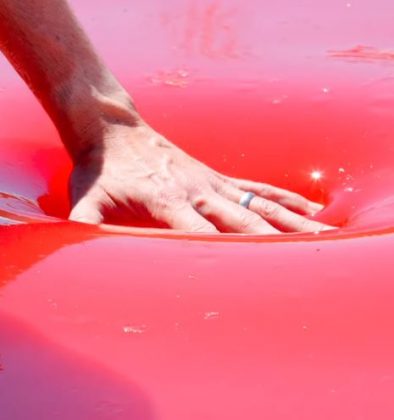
(183, 73)
(53, 304)
(134, 329)
(326, 90)
(349, 189)
(211, 315)
(279, 100)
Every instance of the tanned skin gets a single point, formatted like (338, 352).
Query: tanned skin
(123, 168)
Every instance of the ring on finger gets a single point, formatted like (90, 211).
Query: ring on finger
(246, 199)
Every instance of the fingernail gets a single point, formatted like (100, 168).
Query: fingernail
(329, 228)
(315, 208)
(324, 229)
(267, 231)
(82, 220)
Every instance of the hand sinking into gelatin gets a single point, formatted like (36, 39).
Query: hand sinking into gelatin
(123, 169)
(141, 174)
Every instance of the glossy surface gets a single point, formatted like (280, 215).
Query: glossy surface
(118, 324)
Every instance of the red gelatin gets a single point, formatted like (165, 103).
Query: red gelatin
(114, 323)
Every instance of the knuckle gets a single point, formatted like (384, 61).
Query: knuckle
(249, 221)
(160, 204)
(203, 228)
(308, 226)
(295, 202)
(298, 197)
(264, 189)
(291, 196)
(302, 201)
(270, 209)
(200, 201)
(163, 207)
(169, 198)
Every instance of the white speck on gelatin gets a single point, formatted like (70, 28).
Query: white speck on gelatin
(279, 100)
(134, 329)
(211, 315)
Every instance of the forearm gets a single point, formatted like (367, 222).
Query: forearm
(46, 45)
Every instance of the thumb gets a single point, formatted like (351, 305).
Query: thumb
(87, 210)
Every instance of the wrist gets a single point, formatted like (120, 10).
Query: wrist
(86, 112)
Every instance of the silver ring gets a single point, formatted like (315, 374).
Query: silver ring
(246, 199)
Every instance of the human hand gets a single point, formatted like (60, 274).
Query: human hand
(135, 173)
(123, 169)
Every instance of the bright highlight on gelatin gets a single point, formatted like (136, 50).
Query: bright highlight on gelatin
(316, 175)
